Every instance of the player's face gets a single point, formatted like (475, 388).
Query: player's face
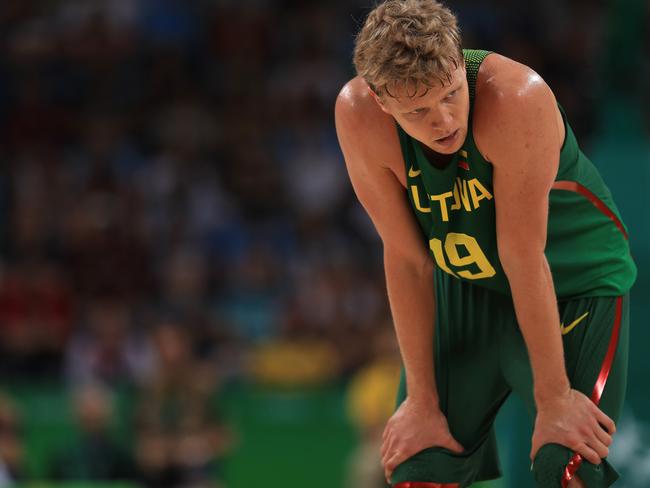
(437, 117)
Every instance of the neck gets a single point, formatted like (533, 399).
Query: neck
(438, 160)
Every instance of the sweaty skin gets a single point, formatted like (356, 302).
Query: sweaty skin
(518, 128)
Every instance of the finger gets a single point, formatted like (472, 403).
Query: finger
(534, 448)
(384, 434)
(388, 471)
(601, 449)
(397, 459)
(602, 435)
(384, 459)
(453, 445)
(384, 447)
(606, 422)
(386, 439)
(387, 448)
(588, 453)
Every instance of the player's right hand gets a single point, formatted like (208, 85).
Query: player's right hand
(415, 426)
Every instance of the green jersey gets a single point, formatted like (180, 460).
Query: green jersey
(586, 248)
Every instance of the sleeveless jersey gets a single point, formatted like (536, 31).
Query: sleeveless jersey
(586, 247)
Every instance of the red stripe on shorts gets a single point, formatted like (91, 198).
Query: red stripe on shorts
(597, 393)
(576, 187)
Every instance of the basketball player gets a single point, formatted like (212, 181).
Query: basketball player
(506, 260)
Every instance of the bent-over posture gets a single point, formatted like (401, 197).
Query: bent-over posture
(506, 260)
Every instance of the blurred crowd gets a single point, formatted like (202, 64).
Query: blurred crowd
(173, 201)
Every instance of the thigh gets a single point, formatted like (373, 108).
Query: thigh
(470, 386)
(595, 335)
(595, 338)
(596, 349)
(597, 358)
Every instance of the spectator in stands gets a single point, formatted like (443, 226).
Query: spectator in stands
(11, 443)
(180, 437)
(107, 347)
(93, 454)
(36, 312)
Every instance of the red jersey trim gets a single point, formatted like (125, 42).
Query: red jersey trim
(576, 187)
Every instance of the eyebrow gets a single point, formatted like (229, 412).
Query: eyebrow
(453, 87)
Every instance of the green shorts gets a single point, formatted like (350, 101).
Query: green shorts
(480, 358)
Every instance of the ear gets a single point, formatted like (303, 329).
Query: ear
(379, 101)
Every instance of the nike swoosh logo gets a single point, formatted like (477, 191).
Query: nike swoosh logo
(569, 328)
(413, 173)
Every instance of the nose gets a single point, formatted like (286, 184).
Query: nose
(442, 120)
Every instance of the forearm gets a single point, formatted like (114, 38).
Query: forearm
(533, 294)
(411, 297)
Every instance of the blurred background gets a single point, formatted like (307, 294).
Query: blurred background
(190, 295)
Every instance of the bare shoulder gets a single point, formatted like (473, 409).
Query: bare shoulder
(371, 149)
(355, 105)
(502, 81)
(509, 96)
(368, 134)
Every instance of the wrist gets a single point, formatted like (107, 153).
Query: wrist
(547, 393)
(425, 397)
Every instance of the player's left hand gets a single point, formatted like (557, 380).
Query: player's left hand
(574, 421)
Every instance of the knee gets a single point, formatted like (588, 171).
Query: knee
(549, 465)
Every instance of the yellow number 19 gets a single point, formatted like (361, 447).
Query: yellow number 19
(473, 255)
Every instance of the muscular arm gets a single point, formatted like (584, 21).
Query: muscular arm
(370, 147)
(521, 134)
(372, 154)
(522, 140)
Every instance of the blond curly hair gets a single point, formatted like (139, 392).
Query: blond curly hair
(408, 44)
